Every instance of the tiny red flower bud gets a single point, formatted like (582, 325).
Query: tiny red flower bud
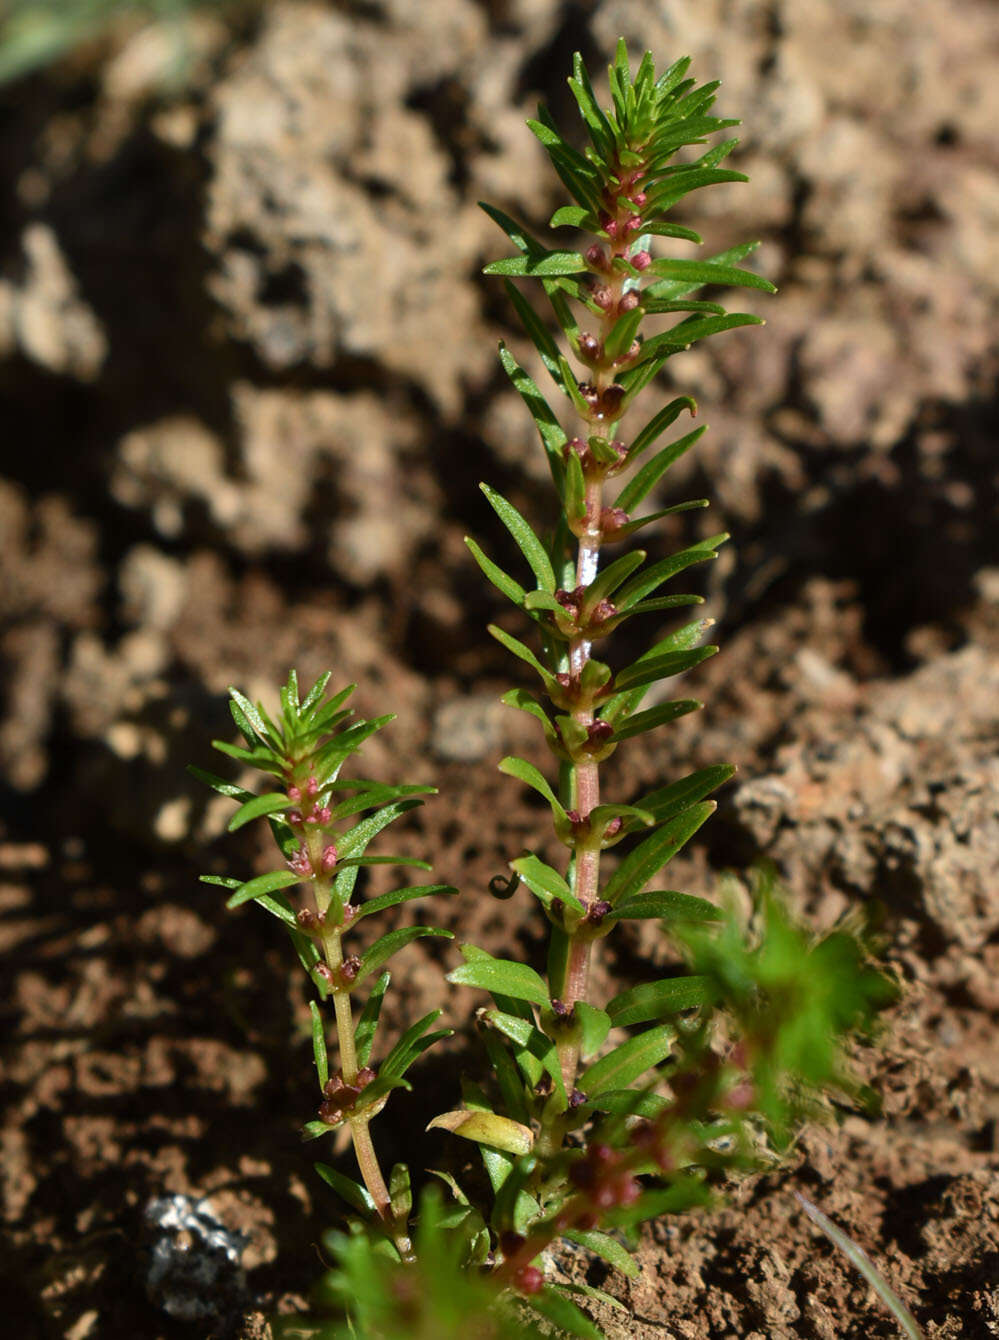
(628, 1190)
(610, 402)
(529, 1280)
(628, 303)
(605, 1197)
(641, 260)
(300, 862)
(638, 199)
(612, 520)
(350, 967)
(589, 345)
(311, 786)
(634, 223)
(294, 817)
(602, 295)
(599, 731)
(365, 1076)
(294, 793)
(307, 919)
(329, 858)
(576, 1099)
(596, 256)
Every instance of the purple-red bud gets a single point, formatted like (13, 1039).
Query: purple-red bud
(633, 224)
(529, 1280)
(300, 862)
(294, 793)
(603, 296)
(596, 256)
(638, 199)
(628, 303)
(641, 260)
(589, 345)
(329, 859)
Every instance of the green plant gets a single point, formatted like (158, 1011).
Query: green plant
(598, 1116)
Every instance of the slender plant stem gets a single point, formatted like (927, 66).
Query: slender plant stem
(586, 775)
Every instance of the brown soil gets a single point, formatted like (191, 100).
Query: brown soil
(249, 390)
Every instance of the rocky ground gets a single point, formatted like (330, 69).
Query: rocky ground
(249, 387)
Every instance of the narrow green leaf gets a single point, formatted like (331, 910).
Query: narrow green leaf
(526, 540)
(541, 1047)
(244, 713)
(594, 1025)
(564, 1313)
(253, 888)
(596, 122)
(279, 907)
(219, 784)
(528, 774)
(511, 1086)
(396, 896)
(696, 273)
(623, 332)
(659, 1000)
(667, 801)
(610, 578)
(863, 1263)
(686, 333)
(607, 1248)
(545, 883)
(640, 722)
(319, 1045)
(370, 796)
(269, 804)
(553, 436)
(654, 852)
(523, 653)
(644, 583)
(504, 975)
(539, 334)
(382, 949)
(652, 670)
(546, 263)
(501, 580)
(626, 1063)
(514, 1207)
(486, 1128)
(413, 1043)
(318, 689)
(520, 238)
(682, 183)
(665, 905)
(367, 1022)
(347, 1189)
(653, 470)
(356, 839)
(684, 1194)
(656, 426)
(573, 216)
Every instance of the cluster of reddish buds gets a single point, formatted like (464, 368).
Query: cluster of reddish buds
(316, 814)
(301, 862)
(342, 978)
(605, 1178)
(572, 602)
(605, 404)
(339, 1097)
(589, 462)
